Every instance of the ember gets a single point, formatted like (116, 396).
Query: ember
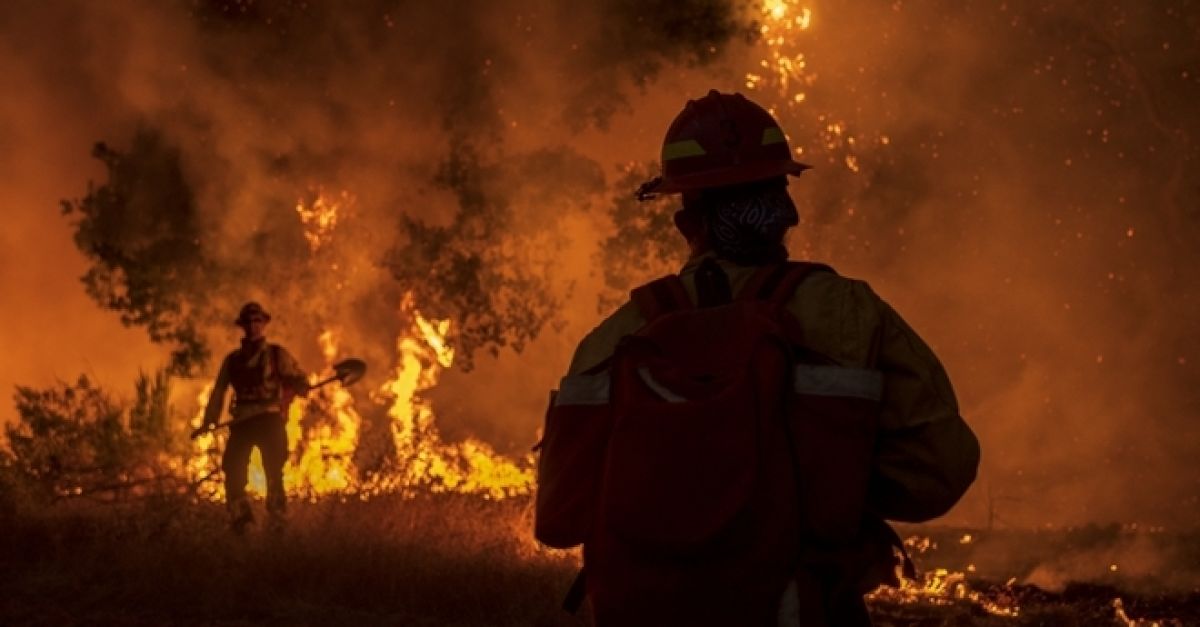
(940, 587)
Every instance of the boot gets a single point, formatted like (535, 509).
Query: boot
(276, 510)
(240, 515)
(276, 523)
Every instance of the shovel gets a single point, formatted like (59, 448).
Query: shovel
(347, 371)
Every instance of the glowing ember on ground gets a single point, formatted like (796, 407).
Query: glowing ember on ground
(1123, 618)
(919, 544)
(941, 587)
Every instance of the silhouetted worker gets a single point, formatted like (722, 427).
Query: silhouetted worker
(727, 445)
(265, 378)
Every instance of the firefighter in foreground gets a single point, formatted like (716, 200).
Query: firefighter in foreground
(728, 444)
(265, 378)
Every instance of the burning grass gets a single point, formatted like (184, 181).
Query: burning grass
(971, 577)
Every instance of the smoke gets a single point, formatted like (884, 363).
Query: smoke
(441, 141)
(1013, 177)
(48, 327)
(1029, 213)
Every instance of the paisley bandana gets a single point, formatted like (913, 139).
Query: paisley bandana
(748, 229)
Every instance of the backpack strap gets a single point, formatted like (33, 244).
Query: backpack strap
(286, 393)
(573, 600)
(777, 283)
(273, 364)
(712, 284)
(661, 296)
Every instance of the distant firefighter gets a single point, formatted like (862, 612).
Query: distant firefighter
(728, 444)
(265, 378)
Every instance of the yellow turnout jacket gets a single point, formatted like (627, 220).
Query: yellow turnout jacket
(925, 455)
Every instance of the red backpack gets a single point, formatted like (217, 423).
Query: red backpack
(684, 466)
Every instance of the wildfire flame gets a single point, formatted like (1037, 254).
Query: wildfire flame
(468, 467)
(325, 462)
(323, 431)
(320, 217)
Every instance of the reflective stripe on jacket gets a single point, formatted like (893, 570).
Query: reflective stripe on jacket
(926, 455)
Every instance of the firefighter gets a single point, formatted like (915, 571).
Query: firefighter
(729, 161)
(265, 377)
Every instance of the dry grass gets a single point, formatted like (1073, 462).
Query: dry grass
(389, 561)
(433, 560)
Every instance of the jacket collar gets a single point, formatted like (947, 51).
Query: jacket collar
(253, 346)
(694, 262)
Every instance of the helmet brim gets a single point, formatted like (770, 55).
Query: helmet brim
(723, 177)
(243, 320)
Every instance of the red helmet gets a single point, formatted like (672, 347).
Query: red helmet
(719, 140)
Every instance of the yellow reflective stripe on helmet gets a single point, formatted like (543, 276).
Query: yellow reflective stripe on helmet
(679, 150)
(773, 135)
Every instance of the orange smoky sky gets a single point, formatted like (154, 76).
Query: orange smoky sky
(1016, 178)
(49, 328)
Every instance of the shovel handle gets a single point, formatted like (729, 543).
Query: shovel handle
(202, 429)
(324, 382)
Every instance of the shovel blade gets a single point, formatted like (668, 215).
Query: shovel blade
(349, 371)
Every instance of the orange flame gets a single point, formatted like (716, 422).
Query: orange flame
(468, 467)
(786, 72)
(323, 431)
(942, 587)
(320, 217)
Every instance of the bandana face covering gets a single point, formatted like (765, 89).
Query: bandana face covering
(749, 229)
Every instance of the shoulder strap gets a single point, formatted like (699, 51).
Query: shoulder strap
(712, 284)
(777, 283)
(274, 364)
(661, 296)
(576, 593)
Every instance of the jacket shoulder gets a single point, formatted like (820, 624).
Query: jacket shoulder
(278, 349)
(841, 316)
(601, 342)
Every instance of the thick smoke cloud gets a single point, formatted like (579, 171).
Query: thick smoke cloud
(1031, 214)
(1015, 177)
(226, 115)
